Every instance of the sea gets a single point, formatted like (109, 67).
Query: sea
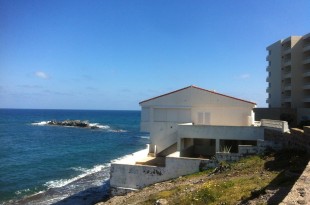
(46, 164)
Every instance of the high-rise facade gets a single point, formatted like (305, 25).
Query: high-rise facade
(289, 73)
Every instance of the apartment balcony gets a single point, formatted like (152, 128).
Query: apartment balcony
(306, 46)
(268, 68)
(268, 58)
(306, 74)
(268, 89)
(306, 99)
(306, 60)
(287, 99)
(287, 62)
(287, 75)
(286, 50)
(287, 87)
(268, 100)
(267, 79)
(306, 86)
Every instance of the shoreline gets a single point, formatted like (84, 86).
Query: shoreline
(91, 195)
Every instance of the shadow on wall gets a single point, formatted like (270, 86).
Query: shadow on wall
(284, 114)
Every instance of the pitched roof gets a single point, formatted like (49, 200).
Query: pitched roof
(192, 86)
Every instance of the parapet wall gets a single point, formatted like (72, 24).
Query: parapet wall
(297, 138)
(275, 125)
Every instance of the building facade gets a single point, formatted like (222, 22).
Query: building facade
(162, 115)
(289, 73)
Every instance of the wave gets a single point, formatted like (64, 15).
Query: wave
(24, 191)
(40, 123)
(99, 126)
(91, 184)
(85, 172)
(145, 137)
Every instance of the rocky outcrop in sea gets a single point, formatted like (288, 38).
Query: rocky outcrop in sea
(73, 123)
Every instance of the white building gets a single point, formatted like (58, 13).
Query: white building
(161, 117)
(187, 127)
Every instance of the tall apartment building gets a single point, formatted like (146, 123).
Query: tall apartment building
(289, 73)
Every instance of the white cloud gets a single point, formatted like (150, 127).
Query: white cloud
(41, 74)
(244, 76)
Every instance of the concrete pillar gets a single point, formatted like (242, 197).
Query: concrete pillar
(217, 145)
(180, 144)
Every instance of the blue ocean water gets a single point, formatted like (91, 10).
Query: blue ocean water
(43, 164)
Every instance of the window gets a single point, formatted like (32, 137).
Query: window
(203, 118)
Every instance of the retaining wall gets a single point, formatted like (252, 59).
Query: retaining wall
(130, 177)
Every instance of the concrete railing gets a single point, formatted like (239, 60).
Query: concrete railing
(275, 124)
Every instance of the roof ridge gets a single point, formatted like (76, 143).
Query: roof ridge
(196, 87)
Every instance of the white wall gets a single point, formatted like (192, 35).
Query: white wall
(163, 135)
(275, 75)
(238, 116)
(160, 116)
(220, 132)
(138, 176)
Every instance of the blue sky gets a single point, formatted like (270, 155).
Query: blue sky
(104, 54)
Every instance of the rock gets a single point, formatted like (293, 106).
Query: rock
(161, 202)
(72, 123)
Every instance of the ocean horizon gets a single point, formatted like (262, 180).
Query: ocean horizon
(46, 164)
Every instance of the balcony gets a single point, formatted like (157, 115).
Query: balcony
(287, 87)
(287, 75)
(306, 60)
(287, 99)
(306, 74)
(306, 86)
(306, 46)
(268, 68)
(306, 99)
(268, 58)
(268, 89)
(268, 100)
(286, 50)
(287, 62)
(267, 79)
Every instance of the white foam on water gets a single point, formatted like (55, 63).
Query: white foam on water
(24, 191)
(85, 172)
(111, 130)
(145, 137)
(42, 123)
(99, 126)
(64, 186)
